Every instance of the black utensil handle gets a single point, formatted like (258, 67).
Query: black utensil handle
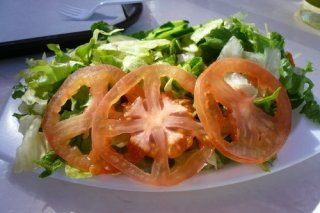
(66, 40)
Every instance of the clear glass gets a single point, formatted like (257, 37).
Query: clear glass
(310, 13)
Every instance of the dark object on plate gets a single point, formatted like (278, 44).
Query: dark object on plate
(132, 13)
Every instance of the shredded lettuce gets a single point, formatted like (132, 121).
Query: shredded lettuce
(50, 162)
(267, 104)
(238, 82)
(204, 29)
(33, 146)
(76, 173)
(170, 30)
(269, 59)
(217, 160)
(134, 47)
(18, 90)
(192, 48)
(194, 65)
(266, 166)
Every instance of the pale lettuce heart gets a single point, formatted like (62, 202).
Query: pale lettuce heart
(33, 146)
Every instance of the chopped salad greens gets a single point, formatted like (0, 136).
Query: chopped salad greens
(191, 48)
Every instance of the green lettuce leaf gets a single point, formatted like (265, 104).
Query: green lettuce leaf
(170, 30)
(18, 90)
(33, 146)
(76, 173)
(267, 104)
(50, 162)
(192, 48)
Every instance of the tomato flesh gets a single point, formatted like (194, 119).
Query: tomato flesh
(163, 128)
(59, 132)
(160, 127)
(256, 136)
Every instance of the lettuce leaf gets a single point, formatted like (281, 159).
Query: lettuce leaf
(76, 173)
(170, 30)
(50, 162)
(192, 48)
(34, 145)
(267, 104)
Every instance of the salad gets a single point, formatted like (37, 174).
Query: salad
(161, 105)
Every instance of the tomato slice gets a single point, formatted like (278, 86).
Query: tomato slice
(59, 132)
(162, 127)
(256, 136)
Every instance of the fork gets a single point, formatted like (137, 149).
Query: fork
(82, 14)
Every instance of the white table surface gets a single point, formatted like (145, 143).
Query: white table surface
(295, 189)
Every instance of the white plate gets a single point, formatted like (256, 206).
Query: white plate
(303, 143)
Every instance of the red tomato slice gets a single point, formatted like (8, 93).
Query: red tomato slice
(58, 133)
(162, 127)
(256, 136)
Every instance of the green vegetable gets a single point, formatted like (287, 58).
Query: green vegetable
(267, 104)
(77, 104)
(195, 66)
(33, 145)
(266, 166)
(51, 162)
(169, 30)
(311, 108)
(217, 160)
(192, 48)
(299, 88)
(76, 173)
(18, 90)
(83, 142)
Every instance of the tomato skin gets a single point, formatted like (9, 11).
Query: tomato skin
(257, 137)
(58, 133)
(150, 121)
